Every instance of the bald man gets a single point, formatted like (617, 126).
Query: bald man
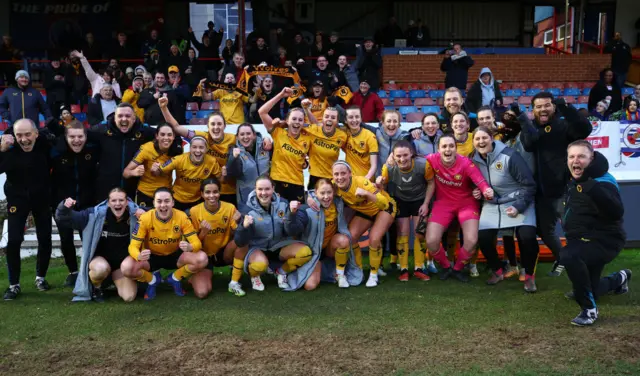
(25, 158)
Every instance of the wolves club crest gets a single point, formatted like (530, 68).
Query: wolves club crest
(499, 166)
(225, 219)
(361, 144)
(281, 214)
(176, 228)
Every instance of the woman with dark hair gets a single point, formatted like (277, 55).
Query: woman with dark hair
(262, 94)
(629, 113)
(318, 47)
(606, 88)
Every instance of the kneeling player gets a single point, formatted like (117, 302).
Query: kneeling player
(156, 243)
(216, 223)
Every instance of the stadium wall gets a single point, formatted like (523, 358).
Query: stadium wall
(508, 68)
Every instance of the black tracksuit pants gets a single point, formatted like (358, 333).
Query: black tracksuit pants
(526, 240)
(68, 247)
(18, 211)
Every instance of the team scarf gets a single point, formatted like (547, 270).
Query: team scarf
(633, 116)
(262, 70)
(215, 85)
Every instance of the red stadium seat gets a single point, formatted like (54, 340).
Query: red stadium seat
(505, 85)
(402, 102)
(76, 109)
(441, 86)
(524, 100)
(507, 101)
(576, 85)
(588, 85)
(192, 106)
(519, 85)
(558, 85)
(386, 101)
(3, 126)
(583, 99)
(537, 85)
(424, 102)
(429, 86)
(85, 108)
(570, 100)
(469, 84)
(388, 87)
(210, 106)
(198, 121)
(414, 117)
(411, 86)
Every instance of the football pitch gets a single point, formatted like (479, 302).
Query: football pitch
(414, 328)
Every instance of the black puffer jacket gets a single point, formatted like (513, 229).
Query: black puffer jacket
(593, 208)
(548, 143)
(73, 174)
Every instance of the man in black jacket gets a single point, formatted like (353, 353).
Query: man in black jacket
(592, 223)
(149, 101)
(620, 58)
(27, 167)
(23, 101)
(547, 138)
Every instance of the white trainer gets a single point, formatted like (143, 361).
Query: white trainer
(372, 281)
(282, 281)
(256, 283)
(236, 288)
(473, 270)
(342, 281)
(381, 272)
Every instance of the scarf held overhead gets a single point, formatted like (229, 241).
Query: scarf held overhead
(258, 70)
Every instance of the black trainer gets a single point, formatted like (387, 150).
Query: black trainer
(445, 274)
(12, 292)
(97, 295)
(42, 284)
(556, 270)
(460, 276)
(585, 318)
(71, 280)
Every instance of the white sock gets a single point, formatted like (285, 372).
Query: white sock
(624, 277)
(73, 273)
(12, 286)
(153, 280)
(39, 279)
(340, 272)
(173, 275)
(373, 274)
(418, 267)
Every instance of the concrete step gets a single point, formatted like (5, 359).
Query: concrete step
(30, 244)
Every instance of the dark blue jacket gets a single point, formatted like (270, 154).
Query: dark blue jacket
(457, 71)
(16, 104)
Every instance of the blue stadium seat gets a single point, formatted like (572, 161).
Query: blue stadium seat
(81, 117)
(533, 91)
(397, 94)
(382, 94)
(391, 108)
(404, 110)
(627, 90)
(581, 105)
(427, 109)
(203, 114)
(413, 94)
(572, 92)
(523, 108)
(513, 93)
(555, 91)
(436, 93)
(40, 117)
(586, 91)
(190, 114)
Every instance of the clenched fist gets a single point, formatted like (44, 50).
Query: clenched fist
(69, 203)
(294, 205)
(248, 221)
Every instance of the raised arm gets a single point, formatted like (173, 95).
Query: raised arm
(296, 220)
(263, 111)
(579, 127)
(529, 135)
(71, 218)
(179, 129)
(91, 75)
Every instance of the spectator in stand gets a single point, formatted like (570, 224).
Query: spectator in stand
(319, 102)
(300, 48)
(102, 105)
(65, 116)
(237, 68)
(259, 53)
(128, 78)
(23, 101)
(319, 73)
(484, 92)
(231, 102)
(281, 58)
(97, 81)
(77, 82)
(132, 94)
(456, 64)
(227, 52)
(346, 74)
(182, 91)
(554, 127)
(140, 70)
(635, 95)
(600, 112)
(390, 33)
(208, 49)
(262, 94)
(123, 49)
(149, 101)
(92, 51)
(370, 104)
(606, 87)
(629, 113)
(175, 58)
(8, 52)
(55, 86)
(368, 63)
(194, 70)
(418, 35)
(154, 63)
(620, 58)
(182, 44)
(148, 80)
(318, 48)
(335, 49)
(155, 41)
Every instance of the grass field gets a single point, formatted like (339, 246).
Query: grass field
(413, 328)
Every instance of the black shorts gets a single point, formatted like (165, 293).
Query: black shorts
(114, 258)
(408, 208)
(391, 210)
(169, 262)
(312, 182)
(230, 199)
(217, 260)
(185, 206)
(144, 201)
(290, 192)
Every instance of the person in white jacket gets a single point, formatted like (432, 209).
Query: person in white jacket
(96, 80)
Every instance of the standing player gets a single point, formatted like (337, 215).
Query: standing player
(163, 239)
(361, 149)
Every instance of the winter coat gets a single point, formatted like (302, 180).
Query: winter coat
(73, 174)
(457, 69)
(425, 145)
(57, 90)
(370, 105)
(96, 80)
(94, 111)
(368, 64)
(152, 113)
(512, 181)
(476, 94)
(23, 103)
(600, 91)
(246, 169)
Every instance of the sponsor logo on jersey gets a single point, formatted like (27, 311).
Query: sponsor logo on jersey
(326, 145)
(355, 151)
(292, 150)
(157, 241)
(216, 231)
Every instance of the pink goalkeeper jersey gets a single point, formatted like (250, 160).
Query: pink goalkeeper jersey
(456, 183)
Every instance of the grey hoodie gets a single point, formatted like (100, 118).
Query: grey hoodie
(488, 91)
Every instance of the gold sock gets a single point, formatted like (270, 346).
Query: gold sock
(302, 257)
(357, 252)
(236, 272)
(257, 268)
(393, 259)
(182, 273)
(145, 277)
(403, 251)
(342, 257)
(418, 253)
(375, 259)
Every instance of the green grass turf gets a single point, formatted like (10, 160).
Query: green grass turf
(413, 328)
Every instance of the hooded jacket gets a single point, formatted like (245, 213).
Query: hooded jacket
(600, 91)
(483, 95)
(548, 143)
(246, 169)
(426, 145)
(90, 222)
(371, 105)
(593, 208)
(314, 236)
(512, 181)
(19, 103)
(73, 174)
